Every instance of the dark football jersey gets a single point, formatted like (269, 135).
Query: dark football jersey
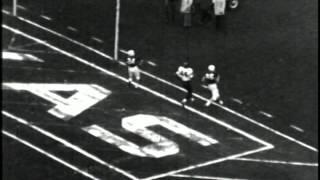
(132, 61)
(211, 78)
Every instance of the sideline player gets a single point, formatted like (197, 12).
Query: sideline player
(185, 74)
(133, 67)
(219, 11)
(211, 79)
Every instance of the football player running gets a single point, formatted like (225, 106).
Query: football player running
(133, 67)
(185, 74)
(211, 79)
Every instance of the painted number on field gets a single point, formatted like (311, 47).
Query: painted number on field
(160, 147)
(85, 96)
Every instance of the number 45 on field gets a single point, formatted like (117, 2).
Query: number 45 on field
(87, 95)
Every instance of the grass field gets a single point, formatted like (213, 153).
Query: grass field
(265, 130)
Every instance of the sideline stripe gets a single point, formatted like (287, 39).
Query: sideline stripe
(177, 87)
(204, 177)
(142, 87)
(266, 147)
(276, 162)
(68, 144)
(49, 155)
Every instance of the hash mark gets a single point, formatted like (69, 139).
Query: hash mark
(296, 128)
(266, 114)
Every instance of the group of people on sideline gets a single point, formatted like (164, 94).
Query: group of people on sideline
(200, 11)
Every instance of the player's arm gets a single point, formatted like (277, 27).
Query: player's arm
(178, 73)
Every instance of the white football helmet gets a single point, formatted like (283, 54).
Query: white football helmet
(131, 52)
(211, 67)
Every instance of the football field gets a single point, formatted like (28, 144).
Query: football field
(68, 113)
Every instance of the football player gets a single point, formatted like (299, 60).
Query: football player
(211, 79)
(133, 67)
(185, 74)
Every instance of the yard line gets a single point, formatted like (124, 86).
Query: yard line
(68, 144)
(46, 17)
(296, 128)
(22, 7)
(177, 87)
(72, 29)
(204, 177)
(267, 146)
(276, 162)
(266, 114)
(49, 155)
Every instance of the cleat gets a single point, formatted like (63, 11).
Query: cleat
(208, 104)
(184, 101)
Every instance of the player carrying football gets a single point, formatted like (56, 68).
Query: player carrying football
(211, 79)
(133, 67)
(185, 74)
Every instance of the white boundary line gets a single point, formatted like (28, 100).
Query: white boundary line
(177, 87)
(204, 177)
(276, 162)
(69, 145)
(266, 147)
(88, 175)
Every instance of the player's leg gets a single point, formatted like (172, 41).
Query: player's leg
(136, 74)
(130, 73)
(211, 88)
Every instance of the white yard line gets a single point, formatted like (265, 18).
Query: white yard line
(267, 145)
(46, 17)
(178, 87)
(276, 162)
(68, 144)
(266, 114)
(51, 156)
(204, 177)
(297, 128)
